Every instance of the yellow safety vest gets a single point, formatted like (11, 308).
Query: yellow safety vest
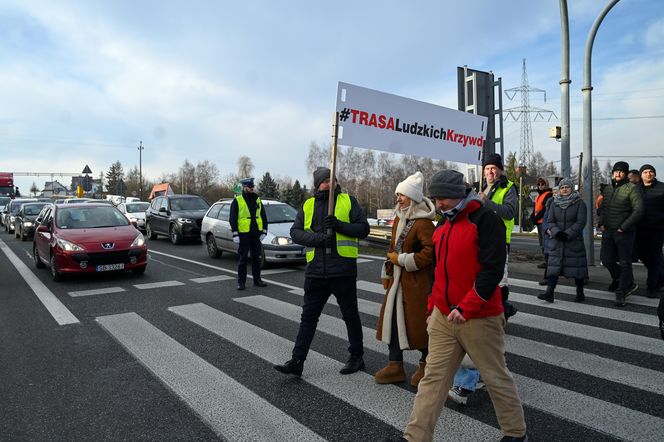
(497, 198)
(347, 246)
(244, 217)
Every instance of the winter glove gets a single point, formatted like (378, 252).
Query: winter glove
(393, 257)
(263, 235)
(236, 238)
(561, 236)
(330, 222)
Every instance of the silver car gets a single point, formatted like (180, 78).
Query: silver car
(135, 211)
(278, 247)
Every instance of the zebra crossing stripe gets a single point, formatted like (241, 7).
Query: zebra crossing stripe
(600, 415)
(229, 408)
(586, 309)
(211, 279)
(590, 293)
(388, 403)
(587, 363)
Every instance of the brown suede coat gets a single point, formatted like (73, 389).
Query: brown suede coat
(416, 285)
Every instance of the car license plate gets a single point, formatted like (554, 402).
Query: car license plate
(109, 267)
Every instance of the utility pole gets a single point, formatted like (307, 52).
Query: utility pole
(140, 170)
(564, 93)
(588, 134)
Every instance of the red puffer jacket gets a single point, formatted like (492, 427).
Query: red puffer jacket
(470, 260)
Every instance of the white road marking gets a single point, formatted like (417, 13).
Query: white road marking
(57, 309)
(156, 285)
(212, 279)
(232, 411)
(96, 291)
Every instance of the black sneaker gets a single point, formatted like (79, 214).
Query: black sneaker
(620, 299)
(240, 286)
(651, 293)
(509, 309)
(354, 364)
(523, 438)
(613, 286)
(294, 366)
(259, 283)
(545, 297)
(459, 395)
(541, 265)
(543, 282)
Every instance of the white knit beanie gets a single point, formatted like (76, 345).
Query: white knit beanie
(412, 187)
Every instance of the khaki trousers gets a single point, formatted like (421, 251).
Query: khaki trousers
(484, 341)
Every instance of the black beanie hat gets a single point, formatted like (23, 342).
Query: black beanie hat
(621, 166)
(320, 175)
(494, 159)
(646, 167)
(447, 184)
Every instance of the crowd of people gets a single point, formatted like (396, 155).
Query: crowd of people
(446, 291)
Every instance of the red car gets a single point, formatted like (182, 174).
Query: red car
(88, 238)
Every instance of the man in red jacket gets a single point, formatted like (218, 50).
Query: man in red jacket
(466, 309)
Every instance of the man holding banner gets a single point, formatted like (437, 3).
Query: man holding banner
(332, 243)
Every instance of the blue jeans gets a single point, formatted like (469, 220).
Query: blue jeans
(466, 378)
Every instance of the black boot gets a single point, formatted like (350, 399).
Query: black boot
(294, 366)
(580, 296)
(548, 295)
(354, 364)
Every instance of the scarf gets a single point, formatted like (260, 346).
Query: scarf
(565, 201)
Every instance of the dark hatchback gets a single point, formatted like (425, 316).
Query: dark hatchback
(25, 223)
(177, 216)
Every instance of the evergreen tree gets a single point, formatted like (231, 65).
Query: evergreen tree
(114, 175)
(267, 188)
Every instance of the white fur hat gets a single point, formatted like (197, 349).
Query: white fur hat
(412, 187)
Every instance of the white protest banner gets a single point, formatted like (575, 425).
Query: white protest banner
(376, 120)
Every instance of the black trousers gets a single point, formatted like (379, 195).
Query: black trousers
(616, 256)
(249, 243)
(650, 244)
(316, 293)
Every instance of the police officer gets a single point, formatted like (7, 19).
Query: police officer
(249, 225)
(332, 250)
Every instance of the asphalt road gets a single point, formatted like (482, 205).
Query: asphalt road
(179, 354)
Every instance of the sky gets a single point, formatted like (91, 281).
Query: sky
(83, 82)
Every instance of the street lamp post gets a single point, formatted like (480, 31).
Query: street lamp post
(140, 170)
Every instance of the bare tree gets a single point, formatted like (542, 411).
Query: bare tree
(187, 177)
(206, 176)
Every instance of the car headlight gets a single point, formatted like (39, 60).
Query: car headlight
(68, 246)
(281, 241)
(139, 241)
(12, 219)
(184, 220)
(133, 219)
(27, 224)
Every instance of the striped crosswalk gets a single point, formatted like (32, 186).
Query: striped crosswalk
(584, 371)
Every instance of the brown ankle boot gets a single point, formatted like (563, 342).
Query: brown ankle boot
(418, 375)
(391, 374)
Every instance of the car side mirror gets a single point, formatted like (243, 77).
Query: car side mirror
(134, 223)
(43, 228)
(38, 220)
(162, 209)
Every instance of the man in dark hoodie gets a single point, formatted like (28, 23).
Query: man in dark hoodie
(332, 244)
(621, 209)
(650, 230)
(249, 225)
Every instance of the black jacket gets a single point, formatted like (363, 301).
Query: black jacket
(250, 198)
(653, 205)
(329, 265)
(622, 206)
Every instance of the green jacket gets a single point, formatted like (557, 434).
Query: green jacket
(622, 206)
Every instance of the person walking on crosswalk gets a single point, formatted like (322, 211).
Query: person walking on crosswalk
(565, 221)
(466, 311)
(248, 222)
(620, 211)
(407, 278)
(332, 246)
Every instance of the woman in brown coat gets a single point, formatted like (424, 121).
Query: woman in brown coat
(407, 278)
